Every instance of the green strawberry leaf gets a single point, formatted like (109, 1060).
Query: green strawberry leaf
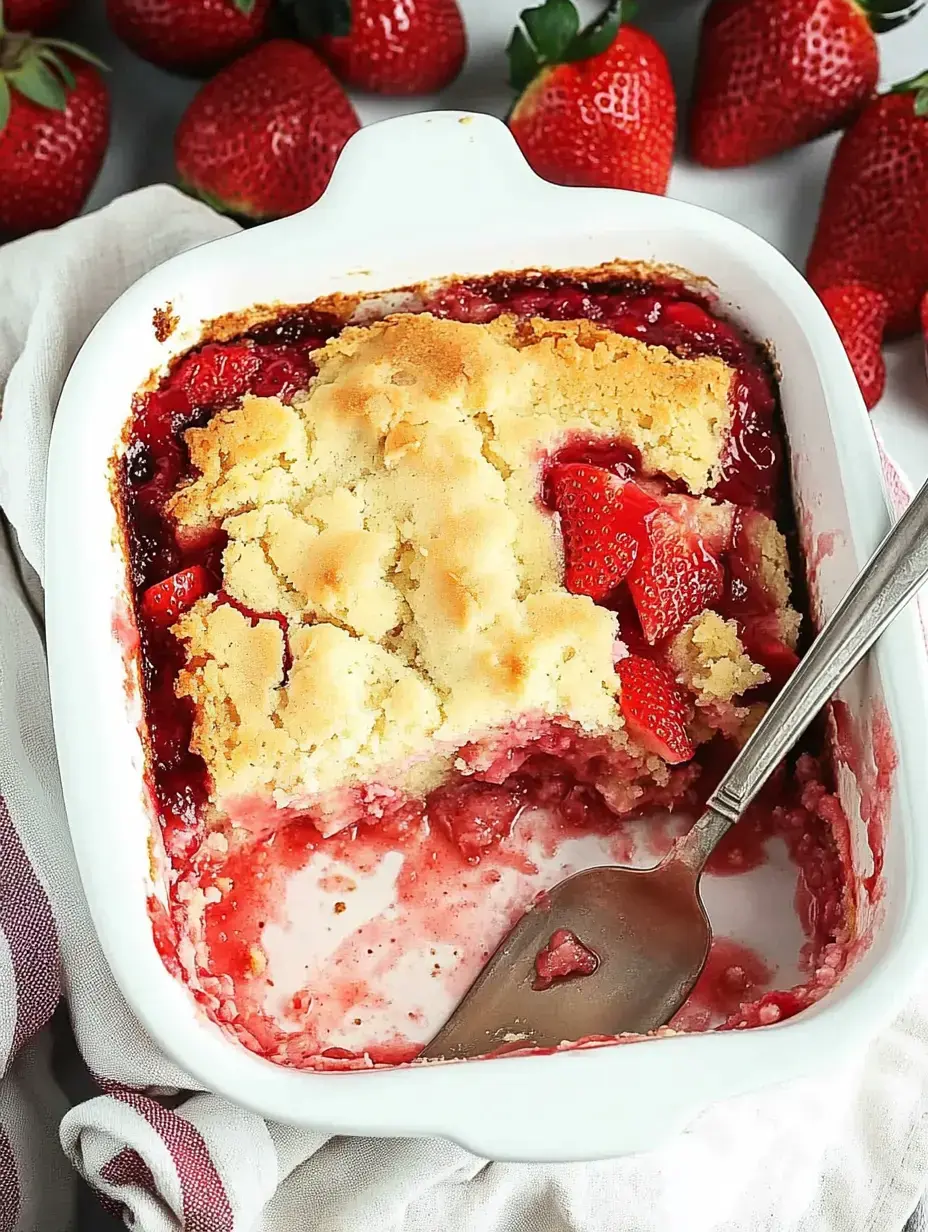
(601, 32)
(552, 27)
(552, 35)
(917, 85)
(35, 80)
(5, 102)
(244, 6)
(54, 61)
(885, 15)
(81, 52)
(524, 64)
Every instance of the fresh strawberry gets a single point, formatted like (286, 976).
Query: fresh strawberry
(873, 223)
(54, 126)
(163, 603)
(924, 317)
(36, 16)
(387, 46)
(654, 709)
(602, 523)
(596, 107)
(771, 76)
(260, 140)
(859, 316)
(674, 578)
(188, 36)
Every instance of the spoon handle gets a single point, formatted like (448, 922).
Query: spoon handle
(892, 575)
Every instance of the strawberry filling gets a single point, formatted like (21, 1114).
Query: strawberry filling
(634, 544)
(653, 554)
(476, 815)
(662, 314)
(564, 955)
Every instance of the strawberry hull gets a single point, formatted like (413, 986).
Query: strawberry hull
(478, 210)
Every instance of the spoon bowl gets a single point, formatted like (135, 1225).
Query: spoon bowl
(648, 933)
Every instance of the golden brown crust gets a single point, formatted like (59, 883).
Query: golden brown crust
(766, 562)
(710, 659)
(391, 516)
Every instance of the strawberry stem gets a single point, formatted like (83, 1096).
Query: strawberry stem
(917, 85)
(552, 35)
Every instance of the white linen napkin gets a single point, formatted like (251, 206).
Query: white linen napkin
(840, 1152)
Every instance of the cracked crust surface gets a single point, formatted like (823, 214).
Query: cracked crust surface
(391, 517)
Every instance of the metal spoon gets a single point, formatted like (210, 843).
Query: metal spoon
(648, 928)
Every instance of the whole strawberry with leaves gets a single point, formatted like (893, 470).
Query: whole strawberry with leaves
(873, 223)
(189, 36)
(54, 128)
(772, 75)
(261, 138)
(596, 106)
(385, 46)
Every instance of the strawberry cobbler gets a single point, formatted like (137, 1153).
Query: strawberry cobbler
(426, 599)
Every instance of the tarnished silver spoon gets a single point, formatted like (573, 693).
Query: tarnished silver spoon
(646, 929)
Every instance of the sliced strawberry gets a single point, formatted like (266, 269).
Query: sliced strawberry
(774, 656)
(654, 708)
(218, 372)
(674, 578)
(602, 521)
(606, 455)
(712, 521)
(630, 634)
(164, 602)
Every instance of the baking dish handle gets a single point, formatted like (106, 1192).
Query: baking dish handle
(402, 174)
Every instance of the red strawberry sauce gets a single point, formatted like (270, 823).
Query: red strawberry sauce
(468, 821)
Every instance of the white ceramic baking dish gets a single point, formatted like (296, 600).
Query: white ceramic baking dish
(412, 199)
